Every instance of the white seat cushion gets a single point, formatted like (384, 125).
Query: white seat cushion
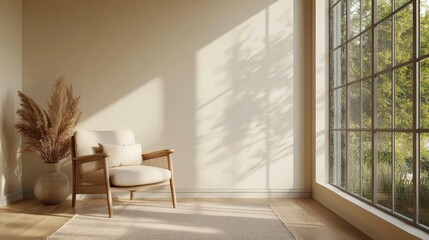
(126, 176)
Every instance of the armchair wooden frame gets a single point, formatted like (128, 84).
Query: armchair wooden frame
(102, 185)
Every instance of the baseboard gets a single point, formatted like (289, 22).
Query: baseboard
(10, 198)
(206, 193)
(217, 193)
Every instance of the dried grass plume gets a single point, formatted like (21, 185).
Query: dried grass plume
(48, 133)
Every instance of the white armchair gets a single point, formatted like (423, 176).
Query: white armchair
(110, 161)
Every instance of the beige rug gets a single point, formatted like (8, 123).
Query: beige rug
(190, 220)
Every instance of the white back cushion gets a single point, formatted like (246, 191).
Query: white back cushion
(87, 141)
(122, 155)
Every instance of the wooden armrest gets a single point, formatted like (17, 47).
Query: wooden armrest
(157, 154)
(91, 158)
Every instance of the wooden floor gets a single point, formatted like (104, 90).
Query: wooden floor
(306, 218)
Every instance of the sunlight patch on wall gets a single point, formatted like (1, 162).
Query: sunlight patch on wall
(142, 110)
(244, 104)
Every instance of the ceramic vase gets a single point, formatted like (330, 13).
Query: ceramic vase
(53, 186)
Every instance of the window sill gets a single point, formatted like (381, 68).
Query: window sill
(368, 215)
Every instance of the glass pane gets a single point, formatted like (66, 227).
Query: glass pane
(337, 159)
(332, 2)
(338, 109)
(399, 3)
(354, 60)
(384, 170)
(354, 105)
(424, 27)
(404, 174)
(384, 7)
(404, 97)
(384, 53)
(367, 165)
(384, 101)
(366, 103)
(353, 164)
(338, 24)
(366, 13)
(424, 93)
(354, 11)
(338, 67)
(424, 179)
(404, 35)
(366, 54)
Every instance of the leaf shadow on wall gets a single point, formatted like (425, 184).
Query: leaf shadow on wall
(254, 129)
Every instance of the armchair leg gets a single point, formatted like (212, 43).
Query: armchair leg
(73, 199)
(74, 179)
(131, 195)
(109, 203)
(173, 192)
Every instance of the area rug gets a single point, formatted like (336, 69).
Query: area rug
(190, 220)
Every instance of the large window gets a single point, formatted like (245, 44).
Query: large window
(379, 104)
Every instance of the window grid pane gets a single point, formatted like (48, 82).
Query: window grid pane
(424, 27)
(384, 53)
(354, 107)
(354, 66)
(353, 163)
(366, 93)
(384, 170)
(367, 165)
(366, 54)
(404, 35)
(384, 101)
(404, 174)
(355, 18)
(384, 8)
(338, 108)
(338, 67)
(404, 97)
(424, 179)
(424, 94)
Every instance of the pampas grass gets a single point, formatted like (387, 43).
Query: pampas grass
(48, 133)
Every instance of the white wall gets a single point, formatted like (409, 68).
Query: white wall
(373, 222)
(219, 81)
(10, 82)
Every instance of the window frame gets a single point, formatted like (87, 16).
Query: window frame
(415, 130)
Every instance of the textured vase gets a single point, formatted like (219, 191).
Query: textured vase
(53, 186)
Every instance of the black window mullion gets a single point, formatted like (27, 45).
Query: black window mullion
(393, 122)
(374, 122)
(416, 114)
(361, 101)
(347, 96)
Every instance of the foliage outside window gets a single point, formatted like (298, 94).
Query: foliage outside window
(379, 104)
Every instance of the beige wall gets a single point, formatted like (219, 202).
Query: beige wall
(10, 82)
(219, 81)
